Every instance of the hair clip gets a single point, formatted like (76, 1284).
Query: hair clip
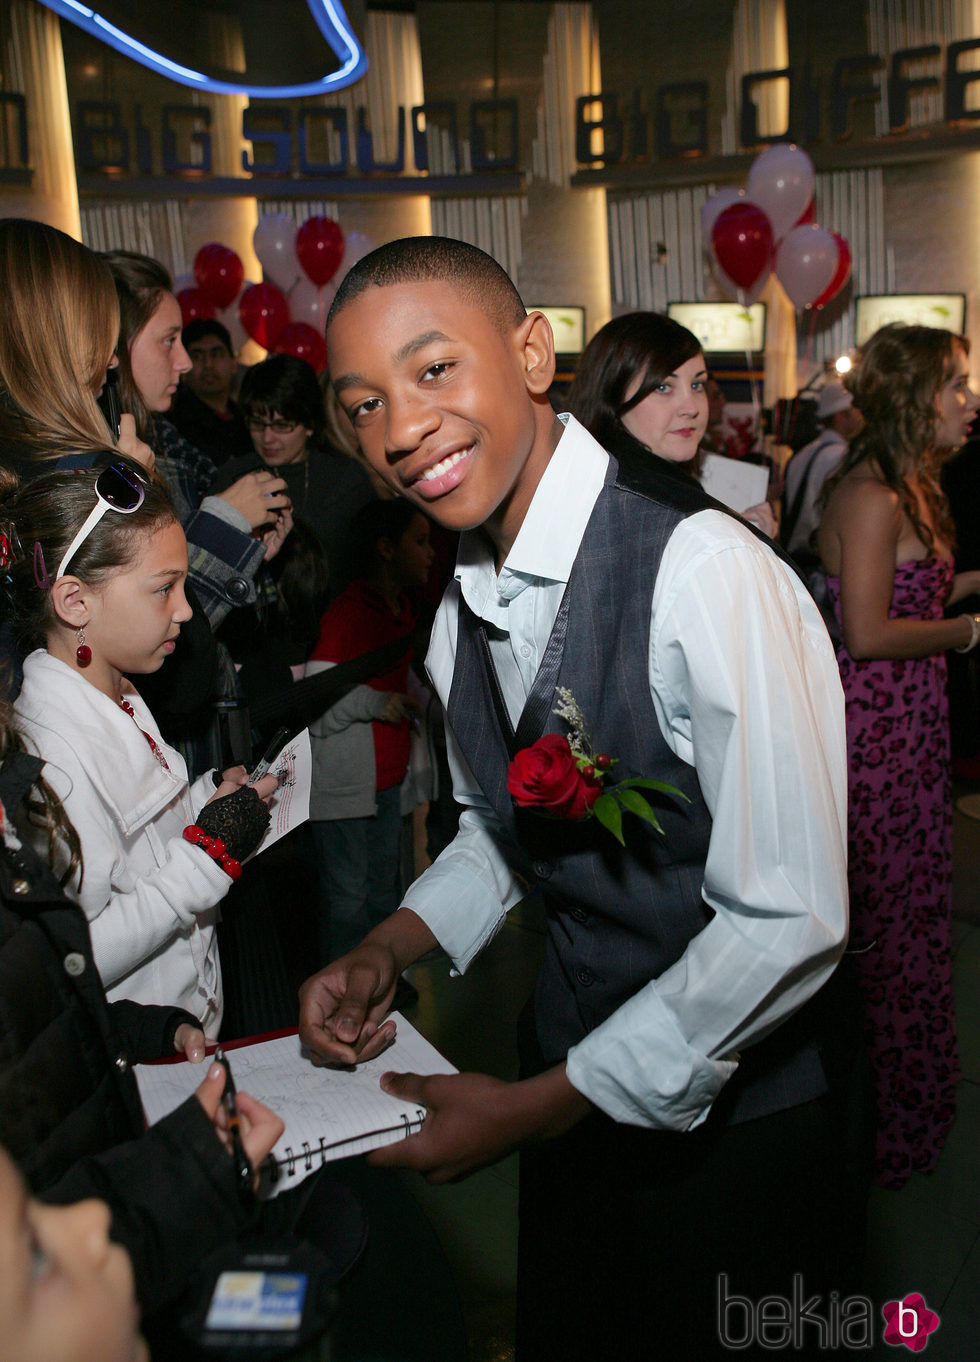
(40, 569)
(10, 549)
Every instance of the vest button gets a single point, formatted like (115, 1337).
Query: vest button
(579, 915)
(544, 870)
(74, 964)
(21, 886)
(585, 977)
(122, 1063)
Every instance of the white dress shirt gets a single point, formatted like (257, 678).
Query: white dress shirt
(746, 689)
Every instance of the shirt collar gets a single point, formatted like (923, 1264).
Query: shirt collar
(550, 536)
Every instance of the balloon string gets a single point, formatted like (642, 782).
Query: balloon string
(750, 371)
(802, 368)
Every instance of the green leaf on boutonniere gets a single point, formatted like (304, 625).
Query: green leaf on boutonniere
(610, 815)
(638, 805)
(639, 783)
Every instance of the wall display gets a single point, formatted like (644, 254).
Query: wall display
(723, 328)
(568, 324)
(946, 310)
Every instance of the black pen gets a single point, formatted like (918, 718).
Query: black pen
(244, 1172)
(279, 741)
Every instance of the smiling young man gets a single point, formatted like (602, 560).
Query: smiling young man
(672, 1109)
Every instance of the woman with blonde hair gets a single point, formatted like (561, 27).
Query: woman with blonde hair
(886, 542)
(58, 329)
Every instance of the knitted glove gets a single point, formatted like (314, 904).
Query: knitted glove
(239, 819)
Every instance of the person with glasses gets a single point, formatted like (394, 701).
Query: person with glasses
(94, 581)
(283, 407)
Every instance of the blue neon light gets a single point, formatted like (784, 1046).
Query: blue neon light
(330, 20)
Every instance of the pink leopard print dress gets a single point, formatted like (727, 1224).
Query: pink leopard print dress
(900, 877)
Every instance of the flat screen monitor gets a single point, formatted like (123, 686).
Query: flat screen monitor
(723, 328)
(568, 324)
(911, 309)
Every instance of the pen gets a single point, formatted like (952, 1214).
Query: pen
(244, 1173)
(279, 741)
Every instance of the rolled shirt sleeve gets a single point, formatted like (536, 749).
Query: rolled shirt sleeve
(746, 688)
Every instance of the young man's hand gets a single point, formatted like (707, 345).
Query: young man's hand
(473, 1120)
(342, 1008)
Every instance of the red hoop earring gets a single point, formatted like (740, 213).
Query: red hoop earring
(83, 653)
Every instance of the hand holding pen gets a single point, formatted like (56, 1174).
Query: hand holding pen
(258, 1127)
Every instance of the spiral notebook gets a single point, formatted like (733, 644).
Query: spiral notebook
(329, 1113)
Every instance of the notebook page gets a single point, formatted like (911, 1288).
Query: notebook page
(329, 1113)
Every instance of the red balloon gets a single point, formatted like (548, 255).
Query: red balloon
(303, 341)
(841, 274)
(194, 304)
(742, 242)
(219, 273)
(264, 313)
(319, 249)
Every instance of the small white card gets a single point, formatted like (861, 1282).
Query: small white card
(734, 482)
(290, 805)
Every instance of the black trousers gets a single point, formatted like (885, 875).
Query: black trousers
(630, 1239)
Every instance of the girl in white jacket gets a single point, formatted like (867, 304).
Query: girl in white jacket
(95, 563)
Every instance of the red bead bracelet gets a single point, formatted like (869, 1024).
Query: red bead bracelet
(215, 848)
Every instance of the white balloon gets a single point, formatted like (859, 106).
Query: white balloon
(806, 261)
(356, 247)
(229, 317)
(274, 241)
(780, 181)
(310, 304)
(184, 281)
(714, 207)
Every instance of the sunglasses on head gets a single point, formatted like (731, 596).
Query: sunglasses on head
(117, 488)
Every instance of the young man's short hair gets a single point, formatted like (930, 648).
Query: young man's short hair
(206, 326)
(422, 259)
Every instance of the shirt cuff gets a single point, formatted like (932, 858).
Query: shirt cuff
(223, 510)
(638, 1068)
(436, 898)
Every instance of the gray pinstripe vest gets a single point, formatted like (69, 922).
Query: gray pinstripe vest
(616, 918)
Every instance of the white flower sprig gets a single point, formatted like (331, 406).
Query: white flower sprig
(568, 709)
(623, 797)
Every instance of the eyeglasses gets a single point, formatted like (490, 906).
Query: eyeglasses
(278, 427)
(118, 488)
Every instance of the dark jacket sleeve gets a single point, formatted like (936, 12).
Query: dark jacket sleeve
(146, 1031)
(171, 1189)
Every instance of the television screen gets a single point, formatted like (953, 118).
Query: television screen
(568, 324)
(912, 309)
(723, 328)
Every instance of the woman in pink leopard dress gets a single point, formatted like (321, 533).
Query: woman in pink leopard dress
(886, 542)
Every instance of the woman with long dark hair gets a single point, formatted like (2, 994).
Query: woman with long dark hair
(885, 538)
(641, 384)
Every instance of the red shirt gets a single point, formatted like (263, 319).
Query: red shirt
(357, 621)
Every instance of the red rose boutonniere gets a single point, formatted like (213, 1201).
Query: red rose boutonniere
(563, 777)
